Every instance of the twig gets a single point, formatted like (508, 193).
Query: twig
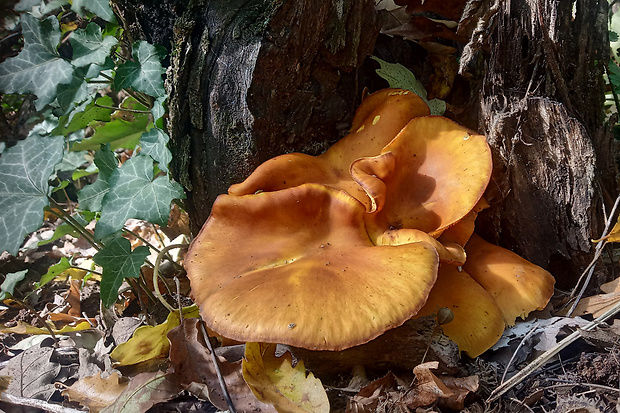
(597, 254)
(220, 378)
(39, 404)
(522, 404)
(528, 335)
(122, 109)
(547, 355)
(596, 386)
(156, 274)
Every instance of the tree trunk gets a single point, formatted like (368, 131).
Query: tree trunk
(251, 79)
(540, 104)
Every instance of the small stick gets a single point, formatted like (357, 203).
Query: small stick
(597, 253)
(156, 274)
(39, 404)
(547, 355)
(216, 364)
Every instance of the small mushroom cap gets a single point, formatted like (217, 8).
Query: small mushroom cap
(450, 253)
(462, 231)
(441, 169)
(518, 286)
(296, 267)
(377, 121)
(478, 323)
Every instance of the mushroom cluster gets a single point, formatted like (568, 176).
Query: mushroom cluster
(329, 252)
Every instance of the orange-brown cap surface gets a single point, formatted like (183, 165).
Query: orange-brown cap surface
(518, 286)
(296, 267)
(477, 323)
(441, 169)
(377, 121)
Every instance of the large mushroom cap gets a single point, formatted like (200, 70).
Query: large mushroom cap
(296, 267)
(518, 286)
(441, 169)
(377, 121)
(477, 323)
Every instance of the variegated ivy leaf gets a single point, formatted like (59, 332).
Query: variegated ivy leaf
(154, 143)
(38, 68)
(24, 172)
(91, 196)
(90, 47)
(135, 194)
(99, 7)
(144, 72)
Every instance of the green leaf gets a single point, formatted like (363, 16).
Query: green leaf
(38, 69)
(61, 231)
(614, 76)
(63, 185)
(73, 93)
(118, 262)
(144, 73)
(83, 115)
(24, 172)
(80, 173)
(71, 161)
(89, 46)
(613, 36)
(154, 143)
(8, 286)
(99, 7)
(398, 76)
(91, 196)
(121, 132)
(135, 194)
(53, 272)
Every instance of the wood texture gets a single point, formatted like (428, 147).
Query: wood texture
(540, 104)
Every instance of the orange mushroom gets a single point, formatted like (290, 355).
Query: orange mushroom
(477, 323)
(435, 175)
(518, 286)
(296, 267)
(377, 121)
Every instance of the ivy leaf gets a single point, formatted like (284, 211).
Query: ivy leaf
(53, 272)
(135, 194)
(11, 280)
(118, 262)
(99, 7)
(90, 197)
(398, 76)
(123, 131)
(89, 46)
(24, 172)
(84, 115)
(38, 69)
(154, 143)
(144, 73)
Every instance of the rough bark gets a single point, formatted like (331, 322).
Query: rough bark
(251, 79)
(540, 105)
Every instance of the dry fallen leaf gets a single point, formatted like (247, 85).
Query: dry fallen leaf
(600, 303)
(428, 389)
(194, 370)
(95, 392)
(274, 380)
(150, 342)
(25, 328)
(143, 392)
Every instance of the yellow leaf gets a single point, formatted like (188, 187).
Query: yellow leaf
(150, 342)
(25, 328)
(275, 381)
(613, 236)
(95, 392)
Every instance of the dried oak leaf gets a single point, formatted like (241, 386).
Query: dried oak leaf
(95, 392)
(193, 369)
